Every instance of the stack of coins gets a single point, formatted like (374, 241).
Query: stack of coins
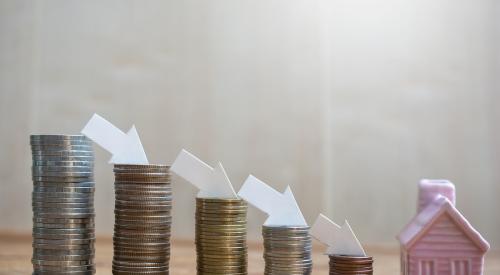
(221, 236)
(143, 204)
(287, 250)
(355, 265)
(63, 204)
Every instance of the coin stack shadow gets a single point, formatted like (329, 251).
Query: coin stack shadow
(356, 265)
(143, 204)
(221, 236)
(63, 204)
(287, 250)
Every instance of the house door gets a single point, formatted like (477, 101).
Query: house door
(460, 267)
(427, 267)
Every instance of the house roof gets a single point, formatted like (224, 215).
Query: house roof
(423, 220)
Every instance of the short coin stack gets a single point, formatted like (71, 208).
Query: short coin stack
(221, 236)
(287, 250)
(351, 265)
(63, 204)
(143, 203)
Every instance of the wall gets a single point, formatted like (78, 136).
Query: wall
(349, 102)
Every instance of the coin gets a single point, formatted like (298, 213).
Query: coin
(347, 264)
(41, 148)
(221, 236)
(37, 158)
(143, 203)
(287, 250)
(63, 204)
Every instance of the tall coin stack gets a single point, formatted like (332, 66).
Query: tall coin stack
(287, 250)
(63, 204)
(143, 204)
(221, 236)
(355, 265)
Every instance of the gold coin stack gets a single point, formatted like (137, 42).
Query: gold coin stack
(143, 203)
(351, 265)
(63, 204)
(221, 236)
(287, 250)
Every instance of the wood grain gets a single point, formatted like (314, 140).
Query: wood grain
(15, 255)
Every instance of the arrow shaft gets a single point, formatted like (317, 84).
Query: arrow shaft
(324, 230)
(104, 133)
(260, 195)
(193, 170)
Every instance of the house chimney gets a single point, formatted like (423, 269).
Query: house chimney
(428, 190)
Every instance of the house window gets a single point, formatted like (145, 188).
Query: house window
(427, 267)
(460, 267)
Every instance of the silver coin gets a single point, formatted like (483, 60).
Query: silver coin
(52, 270)
(65, 147)
(61, 263)
(62, 163)
(44, 212)
(64, 252)
(62, 169)
(70, 153)
(150, 183)
(68, 244)
(60, 143)
(89, 184)
(40, 173)
(37, 180)
(39, 272)
(64, 257)
(38, 194)
(64, 244)
(57, 137)
(63, 231)
(61, 236)
(65, 215)
(40, 189)
(86, 202)
(62, 158)
(64, 226)
(64, 220)
(287, 249)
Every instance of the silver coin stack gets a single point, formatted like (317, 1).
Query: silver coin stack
(287, 250)
(63, 204)
(143, 204)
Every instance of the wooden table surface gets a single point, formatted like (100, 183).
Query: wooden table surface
(15, 255)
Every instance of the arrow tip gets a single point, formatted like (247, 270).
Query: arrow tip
(247, 190)
(132, 152)
(212, 182)
(220, 185)
(346, 242)
(288, 213)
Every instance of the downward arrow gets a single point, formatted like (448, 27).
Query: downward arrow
(212, 182)
(340, 240)
(282, 209)
(125, 148)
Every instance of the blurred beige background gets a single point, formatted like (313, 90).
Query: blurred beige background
(349, 102)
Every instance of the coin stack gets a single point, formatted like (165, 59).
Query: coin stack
(143, 203)
(63, 204)
(287, 250)
(352, 265)
(221, 236)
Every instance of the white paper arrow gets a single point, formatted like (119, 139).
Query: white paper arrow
(282, 209)
(125, 148)
(340, 240)
(212, 182)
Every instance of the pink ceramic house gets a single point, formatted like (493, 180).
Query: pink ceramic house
(439, 240)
